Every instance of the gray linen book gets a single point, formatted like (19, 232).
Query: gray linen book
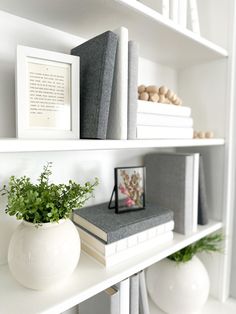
(170, 184)
(105, 224)
(202, 196)
(97, 61)
(133, 53)
(134, 294)
(106, 302)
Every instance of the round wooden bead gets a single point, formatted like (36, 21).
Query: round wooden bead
(143, 96)
(209, 134)
(201, 134)
(153, 97)
(195, 134)
(141, 88)
(169, 94)
(162, 99)
(163, 90)
(152, 89)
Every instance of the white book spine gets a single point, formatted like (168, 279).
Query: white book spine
(144, 305)
(124, 296)
(156, 132)
(164, 109)
(117, 258)
(195, 191)
(174, 9)
(134, 294)
(166, 8)
(117, 122)
(183, 13)
(131, 241)
(194, 16)
(163, 120)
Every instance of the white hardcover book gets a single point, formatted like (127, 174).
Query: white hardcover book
(134, 294)
(117, 122)
(164, 109)
(194, 17)
(144, 305)
(163, 120)
(118, 246)
(105, 302)
(161, 132)
(182, 13)
(119, 257)
(195, 190)
(124, 288)
(166, 8)
(174, 10)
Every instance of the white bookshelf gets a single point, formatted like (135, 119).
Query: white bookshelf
(88, 279)
(197, 68)
(18, 145)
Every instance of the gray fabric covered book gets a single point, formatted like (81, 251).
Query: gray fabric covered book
(133, 54)
(202, 196)
(111, 227)
(97, 61)
(171, 184)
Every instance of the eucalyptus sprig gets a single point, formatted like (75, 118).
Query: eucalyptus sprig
(208, 244)
(45, 202)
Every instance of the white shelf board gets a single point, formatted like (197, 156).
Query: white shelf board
(212, 306)
(160, 39)
(18, 145)
(88, 279)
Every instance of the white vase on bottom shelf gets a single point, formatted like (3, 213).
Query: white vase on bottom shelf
(42, 256)
(178, 288)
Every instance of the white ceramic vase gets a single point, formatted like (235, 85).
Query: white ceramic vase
(181, 288)
(42, 256)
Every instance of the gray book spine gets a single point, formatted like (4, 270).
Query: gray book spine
(133, 54)
(170, 185)
(97, 61)
(202, 196)
(134, 294)
(144, 305)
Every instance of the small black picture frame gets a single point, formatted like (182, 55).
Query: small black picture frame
(129, 189)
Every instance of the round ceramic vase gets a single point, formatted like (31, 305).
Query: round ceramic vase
(181, 288)
(40, 257)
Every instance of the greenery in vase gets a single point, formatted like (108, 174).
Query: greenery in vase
(45, 202)
(208, 244)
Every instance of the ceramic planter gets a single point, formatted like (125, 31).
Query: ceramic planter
(178, 288)
(42, 256)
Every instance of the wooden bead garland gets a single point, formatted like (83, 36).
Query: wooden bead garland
(158, 94)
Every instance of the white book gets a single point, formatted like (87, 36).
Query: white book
(144, 305)
(194, 17)
(123, 244)
(117, 122)
(166, 8)
(174, 10)
(109, 261)
(124, 288)
(134, 294)
(161, 132)
(182, 20)
(195, 190)
(164, 109)
(105, 302)
(163, 120)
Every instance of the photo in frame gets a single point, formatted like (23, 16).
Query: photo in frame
(47, 94)
(129, 189)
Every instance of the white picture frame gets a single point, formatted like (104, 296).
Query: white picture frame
(47, 94)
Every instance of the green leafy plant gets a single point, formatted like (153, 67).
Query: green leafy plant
(208, 244)
(45, 202)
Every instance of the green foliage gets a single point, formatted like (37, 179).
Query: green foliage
(208, 244)
(45, 202)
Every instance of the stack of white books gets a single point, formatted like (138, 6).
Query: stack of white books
(163, 121)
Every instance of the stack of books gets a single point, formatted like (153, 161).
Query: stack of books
(173, 182)
(108, 85)
(163, 121)
(113, 238)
